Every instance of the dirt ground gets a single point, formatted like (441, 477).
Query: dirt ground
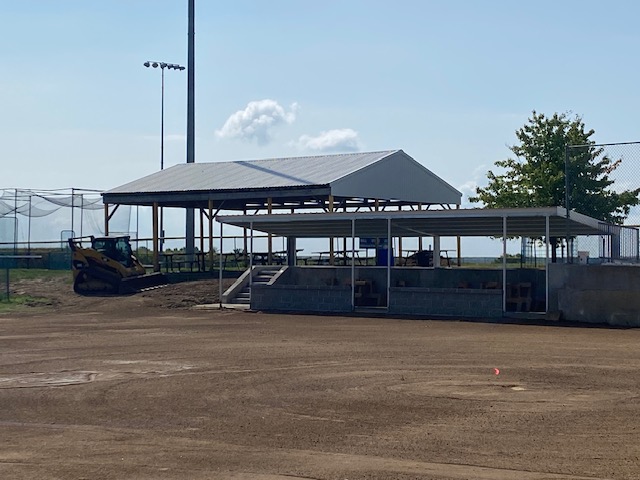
(146, 387)
(58, 293)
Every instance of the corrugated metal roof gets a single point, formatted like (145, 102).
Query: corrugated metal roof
(464, 222)
(254, 174)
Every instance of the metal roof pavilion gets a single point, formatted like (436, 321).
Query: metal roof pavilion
(355, 179)
(529, 222)
(482, 222)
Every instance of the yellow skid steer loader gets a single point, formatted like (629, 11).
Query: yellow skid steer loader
(109, 266)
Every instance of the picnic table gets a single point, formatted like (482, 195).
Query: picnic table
(174, 261)
(339, 257)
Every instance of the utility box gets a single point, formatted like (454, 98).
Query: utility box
(583, 257)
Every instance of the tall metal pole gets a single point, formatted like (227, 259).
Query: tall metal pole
(504, 264)
(137, 230)
(220, 266)
(353, 264)
(81, 211)
(567, 202)
(15, 223)
(162, 124)
(170, 66)
(73, 234)
(546, 264)
(191, 122)
(29, 227)
(162, 155)
(191, 76)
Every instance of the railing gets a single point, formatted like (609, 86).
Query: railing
(7, 262)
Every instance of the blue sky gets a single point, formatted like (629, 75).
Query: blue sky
(448, 82)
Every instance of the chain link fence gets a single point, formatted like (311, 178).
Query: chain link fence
(617, 243)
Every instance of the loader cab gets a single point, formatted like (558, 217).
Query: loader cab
(116, 248)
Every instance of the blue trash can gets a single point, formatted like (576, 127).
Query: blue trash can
(381, 257)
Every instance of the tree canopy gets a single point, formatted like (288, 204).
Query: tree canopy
(536, 177)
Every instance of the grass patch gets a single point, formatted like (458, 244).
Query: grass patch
(21, 302)
(35, 273)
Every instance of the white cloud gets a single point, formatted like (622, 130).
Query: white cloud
(468, 188)
(343, 140)
(256, 121)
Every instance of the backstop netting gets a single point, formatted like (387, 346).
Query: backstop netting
(45, 219)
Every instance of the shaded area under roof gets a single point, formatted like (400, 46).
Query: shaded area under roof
(529, 222)
(390, 175)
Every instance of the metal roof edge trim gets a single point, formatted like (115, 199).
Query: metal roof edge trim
(303, 157)
(312, 186)
(441, 213)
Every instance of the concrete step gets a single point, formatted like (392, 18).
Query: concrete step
(262, 278)
(271, 272)
(241, 301)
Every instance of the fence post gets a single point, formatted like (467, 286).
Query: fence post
(567, 203)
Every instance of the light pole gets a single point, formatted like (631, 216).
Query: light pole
(170, 66)
(191, 120)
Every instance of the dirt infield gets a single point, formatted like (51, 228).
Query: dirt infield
(143, 387)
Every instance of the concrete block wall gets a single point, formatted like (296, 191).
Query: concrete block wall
(457, 302)
(596, 293)
(470, 277)
(415, 291)
(443, 277)
(301, 298)
(318, 276)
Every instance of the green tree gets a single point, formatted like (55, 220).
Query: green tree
(536, 177)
